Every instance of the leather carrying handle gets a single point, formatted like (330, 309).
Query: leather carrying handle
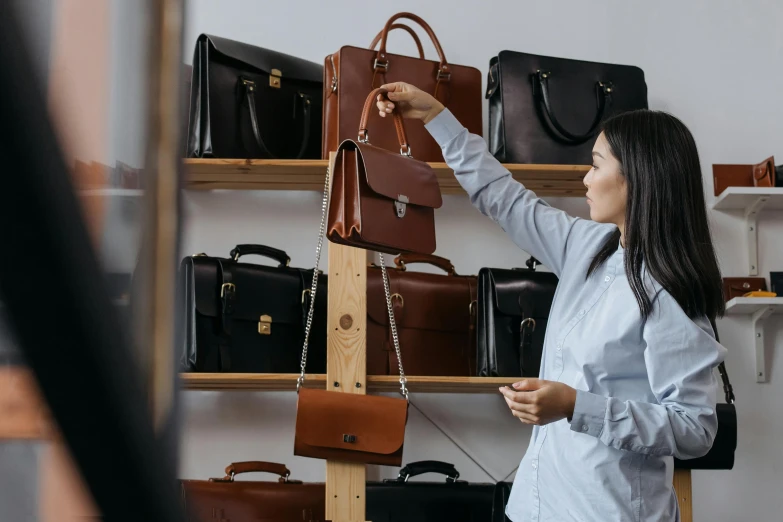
(250, 90)
(428, 466)
(404, 27)
(257, 466)
(441, 262)
(260, 250)
(364, 136)
(381, 58)
(603, 91)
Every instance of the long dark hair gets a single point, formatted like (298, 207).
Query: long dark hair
(666, 223)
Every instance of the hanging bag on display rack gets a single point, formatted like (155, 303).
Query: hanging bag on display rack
(352, 72)
(249, 102)
(548, 110)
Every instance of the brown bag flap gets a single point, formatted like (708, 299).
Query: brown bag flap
(324, 418)
(391, 174)
(426, 301)
(739, 286)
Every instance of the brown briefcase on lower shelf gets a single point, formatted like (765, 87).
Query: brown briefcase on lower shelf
(435, 316)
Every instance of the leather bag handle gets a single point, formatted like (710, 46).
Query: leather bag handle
(364, 136)
(428, 466)
(603, 93)
(260, 250)
(441, 262)
(728, 389)
(256, 466)
(404, 27)
(250, 89)
(382, 61)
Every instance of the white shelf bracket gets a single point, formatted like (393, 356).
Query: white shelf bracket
(758, 338)
(751, 228)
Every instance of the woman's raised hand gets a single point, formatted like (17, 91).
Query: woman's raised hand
(410, 101)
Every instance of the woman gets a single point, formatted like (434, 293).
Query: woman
(627, 374)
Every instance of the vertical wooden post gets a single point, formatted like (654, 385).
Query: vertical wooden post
(682, 486)
(346, 369)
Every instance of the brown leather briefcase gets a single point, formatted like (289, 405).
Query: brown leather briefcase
(739, 286)
(758, 175)
(224, 498)
(435, 316)
(352, 72)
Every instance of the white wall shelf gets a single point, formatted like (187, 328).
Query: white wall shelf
(750, 200)
(758, 308)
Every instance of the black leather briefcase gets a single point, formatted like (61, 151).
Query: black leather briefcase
(549, 110)
(513, 309)
(398, 500)
(249, 102)
(243, 317)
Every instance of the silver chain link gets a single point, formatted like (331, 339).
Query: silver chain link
(314, 287)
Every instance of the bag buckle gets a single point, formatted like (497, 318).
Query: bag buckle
(275, 78)
(265, 325)
(377, 64)
(400, 205)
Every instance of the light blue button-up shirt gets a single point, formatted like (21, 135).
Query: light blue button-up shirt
(645, 389)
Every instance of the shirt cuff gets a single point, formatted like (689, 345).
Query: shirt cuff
(444, 127)
(589, 413)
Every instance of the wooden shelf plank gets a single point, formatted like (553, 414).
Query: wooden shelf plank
(376, 383)
(240, 174)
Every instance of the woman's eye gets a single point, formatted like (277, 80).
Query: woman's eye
(595, 168)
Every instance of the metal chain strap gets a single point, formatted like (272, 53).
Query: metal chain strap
(314, 287)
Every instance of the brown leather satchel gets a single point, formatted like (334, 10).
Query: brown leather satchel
(435, 316)
(759, 175)
(739, 286)
(381, 200)
(352, 72)
(225, 499)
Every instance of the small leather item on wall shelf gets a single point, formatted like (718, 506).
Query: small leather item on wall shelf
(382, 200)
(764, 173)
(741, 175)
(739, 286)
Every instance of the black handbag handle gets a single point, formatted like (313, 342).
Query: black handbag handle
(728, 389)
(260, 250)
(250, 89)
(428, 466)
(603, 91)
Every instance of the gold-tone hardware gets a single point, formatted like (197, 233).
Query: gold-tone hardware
(265, 325)
(527, 321)
(306, 291)
(200, 254)
(274, 78)
(402, 301)
(232, 286)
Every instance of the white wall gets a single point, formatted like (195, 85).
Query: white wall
(714, 64)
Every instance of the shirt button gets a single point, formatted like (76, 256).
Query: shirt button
(608, 278)
(581, 313)
(535, 466)
(585, 428)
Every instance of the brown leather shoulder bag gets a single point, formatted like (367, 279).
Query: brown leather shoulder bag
(381, 200)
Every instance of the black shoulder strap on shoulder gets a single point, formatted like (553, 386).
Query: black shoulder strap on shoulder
(728, 390)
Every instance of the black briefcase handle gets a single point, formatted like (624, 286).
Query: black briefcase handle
(427, 466)
(260, 250)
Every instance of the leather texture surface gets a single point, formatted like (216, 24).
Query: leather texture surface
(507, 344)
(435, 321)
(764, 173)
(350, 427)
(739, 286)
(741, 175)
(350, 74)
(525, 113)
(223, 334)
(231, 118)
(368, 184)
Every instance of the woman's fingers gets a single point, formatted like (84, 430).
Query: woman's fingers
(532, 409)
(384, 107)
(526, 417)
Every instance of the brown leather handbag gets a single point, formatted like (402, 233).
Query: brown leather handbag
(349, 427)
(764, 173)
(739, 286)
(227, 499)
(352, 71)
(435, 316)
(759, 175)
(381, 200)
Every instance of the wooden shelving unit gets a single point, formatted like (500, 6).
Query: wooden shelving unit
(375, 383)
(240, 174)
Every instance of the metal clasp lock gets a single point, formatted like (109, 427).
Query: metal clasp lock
(400, 204)
(265, 325)
(274, 78)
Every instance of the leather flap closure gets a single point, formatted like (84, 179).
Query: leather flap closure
(393, 175)
(523, 292)
(421, 300)
(265, 59)
(348, 421)
(259, 290)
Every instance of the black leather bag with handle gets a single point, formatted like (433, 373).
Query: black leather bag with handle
(721, 455)
(249, 318)
(513, 309)
(548, 110)
(249, 102)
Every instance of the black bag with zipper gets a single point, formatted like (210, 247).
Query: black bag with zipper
(249, 318)
(513, 309)
(548, 110)
(249, 102)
